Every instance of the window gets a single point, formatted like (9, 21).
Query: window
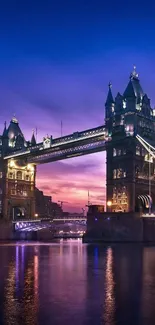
(24, 193)
(129, 129)
(124, 104)
(114, 173)
(114, 152)
(11, 175)
(0, 191)
(119, 173)
(19, 175)
(138, 107)
(13, 191)
(138, 150)
(1, 174)
(148, 159)
(27, 177)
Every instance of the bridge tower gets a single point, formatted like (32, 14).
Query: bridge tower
(128, 163)
(17, 177)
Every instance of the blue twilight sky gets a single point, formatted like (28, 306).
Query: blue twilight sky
(56, 59)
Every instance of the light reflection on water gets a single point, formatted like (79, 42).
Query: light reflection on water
(73, 283)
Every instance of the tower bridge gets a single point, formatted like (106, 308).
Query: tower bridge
(127, 136)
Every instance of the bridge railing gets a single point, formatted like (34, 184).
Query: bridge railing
(74, 137)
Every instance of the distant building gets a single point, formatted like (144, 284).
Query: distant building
(44, 207)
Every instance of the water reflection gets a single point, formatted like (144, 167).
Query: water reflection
(68, 282)
(109, 302)
(21, 289)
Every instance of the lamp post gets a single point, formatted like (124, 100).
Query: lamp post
(109, 204)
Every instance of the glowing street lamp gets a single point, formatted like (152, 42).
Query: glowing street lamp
(109, 204)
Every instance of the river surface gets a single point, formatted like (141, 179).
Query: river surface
(73, 283)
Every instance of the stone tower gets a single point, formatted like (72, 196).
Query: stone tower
(128, 162)
(17, 177)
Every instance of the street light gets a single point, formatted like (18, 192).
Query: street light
(109, 204)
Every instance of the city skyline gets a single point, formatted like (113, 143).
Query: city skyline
(51, 72)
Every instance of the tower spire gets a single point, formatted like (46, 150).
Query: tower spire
(134, 74)
(4, 131)
(109, 99)
(33, 139)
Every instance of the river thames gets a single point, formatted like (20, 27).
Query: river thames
(73, 283)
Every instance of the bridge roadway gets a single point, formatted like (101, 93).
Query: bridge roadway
(75, 144)
(38, 224)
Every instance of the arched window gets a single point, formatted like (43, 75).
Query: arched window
(19, 174)
(114, 152)
(114, 173)
(11, 175)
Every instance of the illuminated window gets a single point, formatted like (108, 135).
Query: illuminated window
(13, 191)
(114, 173)
(138, 150)
(119, 173)
(24, 193)
(11, 175)
(119, 152)
(1, 174)
(19, 175)
(112, 108)
(148, 159)
(114, 152)
(124, 104)
(138, 107)
(122, 120)
(129, 129)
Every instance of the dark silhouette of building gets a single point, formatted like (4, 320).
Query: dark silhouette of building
(128, 162)
(44, 207)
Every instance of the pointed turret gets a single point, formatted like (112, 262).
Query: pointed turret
(4, 131)
(109, 99)
(134, 89)
(109, 104)
(33, 139)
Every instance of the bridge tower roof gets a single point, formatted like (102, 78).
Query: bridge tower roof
(134, 89)
(110, 99)
(14, 130)
(33, 139)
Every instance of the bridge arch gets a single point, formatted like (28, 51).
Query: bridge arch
(143, 202)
